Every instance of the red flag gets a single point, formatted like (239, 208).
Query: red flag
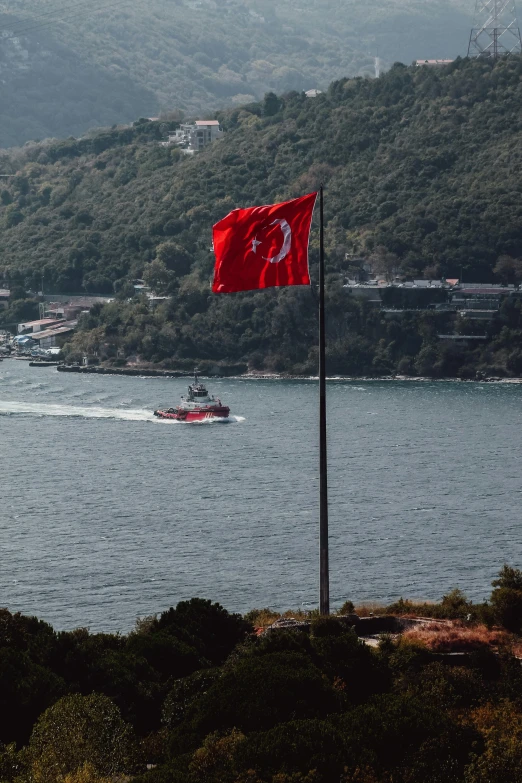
(262, 247)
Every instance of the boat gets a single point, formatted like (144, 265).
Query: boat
(197, 406)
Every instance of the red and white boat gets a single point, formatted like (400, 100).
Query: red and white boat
(197, 406)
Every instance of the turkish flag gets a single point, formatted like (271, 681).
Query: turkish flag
(262, 247)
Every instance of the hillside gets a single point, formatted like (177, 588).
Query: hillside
(66, 69)
(421, 170)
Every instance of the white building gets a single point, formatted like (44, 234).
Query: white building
(433, 63)
(194, 137)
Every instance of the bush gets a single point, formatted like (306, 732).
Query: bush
(207, 627)
(80, 730)
(298, 746)
(455, 637)
(506, 598)
(260, 691)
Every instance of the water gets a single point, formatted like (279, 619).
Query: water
(107, 513)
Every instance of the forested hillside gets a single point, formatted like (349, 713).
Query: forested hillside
(65, 69)
(422, 173)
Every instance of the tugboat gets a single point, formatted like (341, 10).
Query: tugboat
(198, 405)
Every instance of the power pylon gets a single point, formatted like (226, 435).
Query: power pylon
(496, 32)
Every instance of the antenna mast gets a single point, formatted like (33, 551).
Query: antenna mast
(495, 32)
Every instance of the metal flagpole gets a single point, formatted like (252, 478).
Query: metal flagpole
(324, 592)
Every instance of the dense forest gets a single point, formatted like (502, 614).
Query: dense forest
(66, 69)
(421, 169)
(198, 695)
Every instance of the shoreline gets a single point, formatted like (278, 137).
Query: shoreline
(153, 373)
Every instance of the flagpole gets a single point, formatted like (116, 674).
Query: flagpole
(324, 590)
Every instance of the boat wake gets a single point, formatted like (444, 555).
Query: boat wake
(8, 408)
(92, 412)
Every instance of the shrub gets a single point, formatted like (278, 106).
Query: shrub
(214, 761)
(397, 731)
(207, 627)
(501, 729)
(80, 730)
(506, 598)
(456, 637)
(453, 606)
(260, 691)
(294, 748)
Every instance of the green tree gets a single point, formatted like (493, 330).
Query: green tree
(157, 276)
(508, 269)
(11, 764)
(80, 730)
(214, 761)
(271, 104)
(501, 760)
(174, 257)
(506, 598)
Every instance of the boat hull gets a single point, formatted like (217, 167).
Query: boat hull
(182, 414)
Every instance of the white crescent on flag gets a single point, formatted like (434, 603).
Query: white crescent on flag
(287, 241)
(263, 246)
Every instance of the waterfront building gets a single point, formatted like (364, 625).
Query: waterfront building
(49, 338)
(37, 326)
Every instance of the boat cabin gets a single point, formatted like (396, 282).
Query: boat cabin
(198, 393)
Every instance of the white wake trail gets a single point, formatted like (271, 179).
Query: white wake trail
(93, 412)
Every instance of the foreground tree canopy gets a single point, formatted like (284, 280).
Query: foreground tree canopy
(199, 698)
(404, 160)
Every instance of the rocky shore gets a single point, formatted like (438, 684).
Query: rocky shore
(259, 376)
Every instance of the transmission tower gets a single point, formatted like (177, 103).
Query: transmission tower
(495, 32)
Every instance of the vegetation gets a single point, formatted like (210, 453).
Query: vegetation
(69, 69)
(403, 159)
(456, 636)
(199, 698)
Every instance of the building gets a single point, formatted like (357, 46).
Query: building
(65, 312)
(37, 326)
(48, 337)
(463, 339)
(480, 296)
(194, 137)
(433, 63)
(140, 287)
(4, 297)
(312, 93)
(85, 301)
(422, 284)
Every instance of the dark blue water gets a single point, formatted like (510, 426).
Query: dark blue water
(107, 514)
